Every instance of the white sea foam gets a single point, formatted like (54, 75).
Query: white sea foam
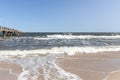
(59, 36)
(57, 50)
(80, 36)
(51, 71)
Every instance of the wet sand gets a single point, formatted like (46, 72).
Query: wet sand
(9, 71)
(100, 66)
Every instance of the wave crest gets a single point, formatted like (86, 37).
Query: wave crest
(57, 51)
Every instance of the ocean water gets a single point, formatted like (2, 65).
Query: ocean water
(41, 50)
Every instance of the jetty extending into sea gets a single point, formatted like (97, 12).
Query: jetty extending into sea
(9, 31)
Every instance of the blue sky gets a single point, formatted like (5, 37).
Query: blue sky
(61, 15)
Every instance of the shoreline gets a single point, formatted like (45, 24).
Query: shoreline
(93, 66)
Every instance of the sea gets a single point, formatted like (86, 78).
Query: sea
(41, 50)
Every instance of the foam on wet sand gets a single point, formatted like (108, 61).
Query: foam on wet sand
(96, 66)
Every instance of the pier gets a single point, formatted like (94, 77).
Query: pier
(9, 31)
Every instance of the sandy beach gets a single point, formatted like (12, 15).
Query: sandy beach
(100, 66)
(9, 71)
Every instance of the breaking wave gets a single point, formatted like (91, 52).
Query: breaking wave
(80, 36)
(57, 51)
